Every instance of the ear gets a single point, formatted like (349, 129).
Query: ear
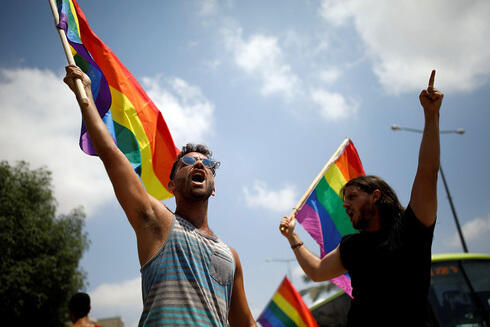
(171, 186)
(376, 195)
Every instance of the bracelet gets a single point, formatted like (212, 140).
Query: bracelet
(297, 245)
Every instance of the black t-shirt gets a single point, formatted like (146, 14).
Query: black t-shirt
(390, 274)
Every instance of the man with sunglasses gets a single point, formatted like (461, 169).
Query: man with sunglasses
(189, 276)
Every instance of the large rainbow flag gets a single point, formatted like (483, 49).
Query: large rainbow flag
(322, 215)
(135, 123)
(286, 308)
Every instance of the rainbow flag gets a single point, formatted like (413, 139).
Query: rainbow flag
(135, 123)
(323, 215)
(286, 308)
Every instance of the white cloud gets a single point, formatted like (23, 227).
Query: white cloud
(261, 56)
(260, 196)
(41, 125)
(118, 299)
(329, 75)
(333, 106)
(473, 231)
(405, 40)
(187, 112)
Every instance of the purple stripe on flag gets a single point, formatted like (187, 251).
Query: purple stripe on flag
(63, 23)
(269, 319)
(319, 222)
(343, 282)
(310, 221)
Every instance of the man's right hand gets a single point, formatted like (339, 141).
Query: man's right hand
(74, 72)
(287, 226)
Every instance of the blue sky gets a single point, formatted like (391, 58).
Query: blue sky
(273, 88)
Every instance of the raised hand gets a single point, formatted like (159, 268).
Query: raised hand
(431, 98)
(74, 72)
(287, 226)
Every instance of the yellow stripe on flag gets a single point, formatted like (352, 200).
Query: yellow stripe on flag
(335, 178)
(123, 112)
(289, 310)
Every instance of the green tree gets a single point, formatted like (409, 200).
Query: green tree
(39, 251)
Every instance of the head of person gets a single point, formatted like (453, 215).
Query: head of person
(79, 306)
(370, 198)
(193, 172)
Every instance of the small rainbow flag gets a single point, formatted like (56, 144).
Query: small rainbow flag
(286, 308)
(135, 123)
(323, 215)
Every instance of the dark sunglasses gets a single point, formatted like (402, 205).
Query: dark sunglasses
(208, 163)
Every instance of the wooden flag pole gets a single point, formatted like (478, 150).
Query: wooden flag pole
(81, 94)
(317, 179)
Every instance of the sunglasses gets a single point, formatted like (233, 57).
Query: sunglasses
(208, 163)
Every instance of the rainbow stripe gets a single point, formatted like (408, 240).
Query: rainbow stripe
(286, 308)
(135, 123)
(323, 215)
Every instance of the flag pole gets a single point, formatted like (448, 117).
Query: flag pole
(82, 95)
(317, 179)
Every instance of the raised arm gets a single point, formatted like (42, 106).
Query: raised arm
(142, 210)
(423, 200)
(330, 266)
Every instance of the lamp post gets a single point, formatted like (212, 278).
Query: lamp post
(456, 221)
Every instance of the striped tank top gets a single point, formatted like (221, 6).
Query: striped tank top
(189, 281)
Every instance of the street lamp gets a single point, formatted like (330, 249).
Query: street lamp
(456, 221)
(287, 261)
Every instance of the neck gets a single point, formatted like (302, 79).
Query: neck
(374, 222)
(195, 212)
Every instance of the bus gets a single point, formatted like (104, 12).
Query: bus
(459, 293)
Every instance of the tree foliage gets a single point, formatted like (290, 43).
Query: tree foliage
(40, 251)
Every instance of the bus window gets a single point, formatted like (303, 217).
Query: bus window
(456, 302)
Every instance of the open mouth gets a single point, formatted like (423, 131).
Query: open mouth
(198, 177)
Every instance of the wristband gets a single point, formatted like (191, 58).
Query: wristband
(297, 245)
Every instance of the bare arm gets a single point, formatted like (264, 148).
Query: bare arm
(423, 199)
(239, 314)
(317, 269)
(142, 210)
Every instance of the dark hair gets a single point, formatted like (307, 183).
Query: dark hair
(79, 305)
(388, 204)
(188, 148)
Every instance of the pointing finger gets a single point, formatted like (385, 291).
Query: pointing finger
(431, 80)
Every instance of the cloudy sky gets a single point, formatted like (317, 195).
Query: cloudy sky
(273, 87)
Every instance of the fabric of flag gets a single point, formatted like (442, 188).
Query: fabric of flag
(323, 215)
(133, 120)
(286, 308)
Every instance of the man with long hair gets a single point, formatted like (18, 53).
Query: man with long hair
(389, 260)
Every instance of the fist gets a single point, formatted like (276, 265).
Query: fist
(287, 226)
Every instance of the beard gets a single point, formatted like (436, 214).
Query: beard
(366, 212)
(201, 194)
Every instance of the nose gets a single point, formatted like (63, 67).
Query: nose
(345, 204)
(198, 163)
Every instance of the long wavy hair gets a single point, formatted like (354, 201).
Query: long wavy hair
(388, 204)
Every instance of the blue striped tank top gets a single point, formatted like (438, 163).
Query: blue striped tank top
(189, 281)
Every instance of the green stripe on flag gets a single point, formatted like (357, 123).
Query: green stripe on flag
(333, 204)
(281, 315)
